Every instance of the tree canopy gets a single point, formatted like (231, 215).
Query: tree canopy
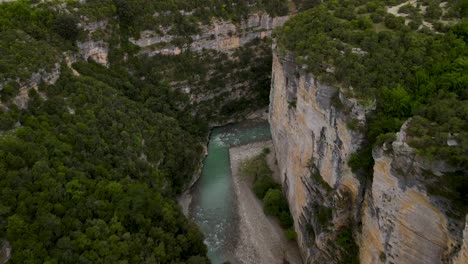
(406, 71)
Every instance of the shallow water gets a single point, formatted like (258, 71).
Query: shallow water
(213, 205)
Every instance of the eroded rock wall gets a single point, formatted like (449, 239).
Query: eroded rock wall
(313, 145)
(95, 46)
(220, 35)
(402, 221)
(393, 216)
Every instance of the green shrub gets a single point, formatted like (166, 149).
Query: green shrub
(276, 7)
(286, 219)
(452, 186)
(256, 167)
(67, 27)
(290, 233)
(262, 185)
(353, 124)
(315, 174)
(274, 202)
(394, 22)
(385, 138)
(376, 18)
(414, 25)
(323, 215)
(10, 90)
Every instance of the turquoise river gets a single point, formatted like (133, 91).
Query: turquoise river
(213, 205)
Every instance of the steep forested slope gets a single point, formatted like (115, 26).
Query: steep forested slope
(92, 156)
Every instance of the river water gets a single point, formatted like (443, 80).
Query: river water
(213, 205)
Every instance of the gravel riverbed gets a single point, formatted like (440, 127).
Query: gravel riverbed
(261, 239)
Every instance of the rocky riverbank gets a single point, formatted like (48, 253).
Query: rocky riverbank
(261, 239)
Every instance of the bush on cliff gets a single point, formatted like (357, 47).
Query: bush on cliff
(407, 72)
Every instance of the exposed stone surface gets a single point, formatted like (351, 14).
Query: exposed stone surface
(22, 99)
(403, 222)
(462, 256)
(311, 138)
(95, 45)
(220, 35)
(96, 50)
(393, 217)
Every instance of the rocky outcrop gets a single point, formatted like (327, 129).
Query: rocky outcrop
(394, 218)
(95, 46)
(49, 78)
(234, 56)
(462, 256)
(96, 50)
(313, 144)
(220, 35)
(402, 221)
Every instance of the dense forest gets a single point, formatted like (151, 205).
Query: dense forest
(90, 168)
(90, 164)
(407, 70)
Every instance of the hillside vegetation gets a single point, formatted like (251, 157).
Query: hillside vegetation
(408, 71)
(90, 168)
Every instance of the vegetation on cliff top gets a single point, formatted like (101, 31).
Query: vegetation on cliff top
(181, 17)
(409, 71)
(412, 64)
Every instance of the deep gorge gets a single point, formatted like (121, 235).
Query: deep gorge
(106, 107)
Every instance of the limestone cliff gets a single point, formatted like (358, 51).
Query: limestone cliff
(393, 218)
(220, 35)
(402, 221)
(235, 58)
(313, 144)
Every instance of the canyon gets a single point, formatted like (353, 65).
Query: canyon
(340, 215)
(393, 219)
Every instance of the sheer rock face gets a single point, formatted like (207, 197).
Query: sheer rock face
(221, 35)
(311, 138)
(393, 217)
(462, 256)
(402, 222)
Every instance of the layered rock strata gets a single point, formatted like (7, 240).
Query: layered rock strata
(313, 144)
(402, 221)
(220, 35)
(393, 216)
